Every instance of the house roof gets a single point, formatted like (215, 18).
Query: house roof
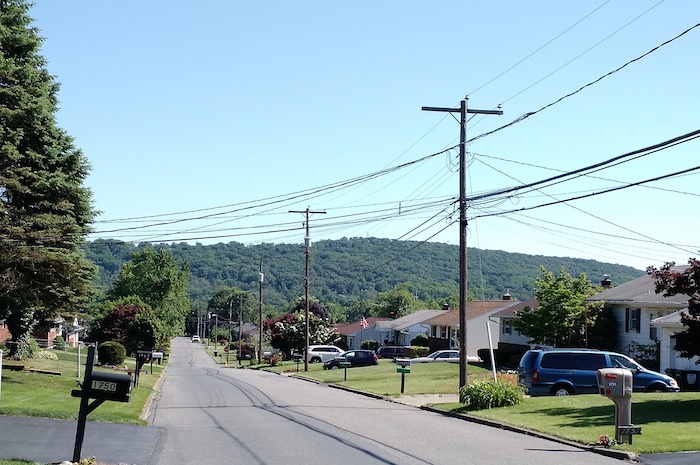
(673, 319)
(509, 312)
(474, 308)
(346, 329)
(405, 322)
(639, 291)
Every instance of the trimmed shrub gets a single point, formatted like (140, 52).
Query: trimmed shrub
(420, 351)
(111, 353)
(46, 355)
(487, 394)
(59, 343)
(421, 340)
(369, 344)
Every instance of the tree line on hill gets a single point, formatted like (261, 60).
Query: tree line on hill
(349, 271)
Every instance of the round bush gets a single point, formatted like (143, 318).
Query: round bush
(111, 353)
(487, 394)
(59, 343)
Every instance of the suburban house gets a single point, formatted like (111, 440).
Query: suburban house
(511, 342)
(401, 331)
(4, 332)
(647, 321)
(352, 334)
(444, 328)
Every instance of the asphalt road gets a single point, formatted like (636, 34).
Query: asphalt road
(208, 414)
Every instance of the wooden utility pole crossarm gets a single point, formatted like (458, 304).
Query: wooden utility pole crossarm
(463, 276)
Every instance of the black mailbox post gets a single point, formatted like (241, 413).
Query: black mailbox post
(100, 386)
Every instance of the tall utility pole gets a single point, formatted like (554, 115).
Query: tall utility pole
(240, 328)
(261, 276)
(230, 310)
(307, 243)
(463, 277)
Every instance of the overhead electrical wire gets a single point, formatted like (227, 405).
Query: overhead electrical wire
(580, 89)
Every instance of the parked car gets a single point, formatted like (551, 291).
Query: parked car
(195, 338)
(357, 358)
(321, 353)
(451, 356)
(391, 352)
(561, 372)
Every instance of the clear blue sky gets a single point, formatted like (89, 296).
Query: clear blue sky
(237, 112)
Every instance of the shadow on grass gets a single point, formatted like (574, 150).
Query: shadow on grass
(652, 411)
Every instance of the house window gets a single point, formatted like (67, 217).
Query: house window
(433, 331)
(507, 328)
(443, 332)
(633, 320)
(653, 333)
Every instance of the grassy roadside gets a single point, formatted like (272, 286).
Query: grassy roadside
(26, 393)
(669, 421)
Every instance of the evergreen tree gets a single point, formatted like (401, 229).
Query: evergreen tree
(45, 211)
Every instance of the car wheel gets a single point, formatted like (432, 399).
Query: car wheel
(562, 391)
(315, 360)
(656, 388)
(334, 367)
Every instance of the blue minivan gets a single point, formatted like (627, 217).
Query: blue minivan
(561, 372)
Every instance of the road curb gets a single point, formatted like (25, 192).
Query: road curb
(617, 454)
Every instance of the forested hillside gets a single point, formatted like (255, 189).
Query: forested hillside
(348, 270)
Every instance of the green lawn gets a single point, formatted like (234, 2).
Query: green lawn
(669, 421)
(48, 395)
(382, 379)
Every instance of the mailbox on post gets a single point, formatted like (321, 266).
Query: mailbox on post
(109, 386)
(403, 368)
(100, 386)
(616, 384)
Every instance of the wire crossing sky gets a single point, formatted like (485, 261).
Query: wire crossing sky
(210, 122)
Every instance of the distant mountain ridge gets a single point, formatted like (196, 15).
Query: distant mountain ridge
(347, 270)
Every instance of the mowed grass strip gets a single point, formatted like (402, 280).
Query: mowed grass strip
(669, 421)
(32, 394)
(383, 379)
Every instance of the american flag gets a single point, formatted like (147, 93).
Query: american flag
(363, 323)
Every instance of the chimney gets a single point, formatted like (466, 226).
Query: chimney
(506, 295)
(606, 282)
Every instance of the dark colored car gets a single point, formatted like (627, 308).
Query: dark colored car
(357, 358)
(392, 352)
(561, 372)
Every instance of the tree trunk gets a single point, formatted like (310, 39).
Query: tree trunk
(20, 325)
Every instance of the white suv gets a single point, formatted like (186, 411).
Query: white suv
(319, 354)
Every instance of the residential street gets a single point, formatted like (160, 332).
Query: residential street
(209, 414)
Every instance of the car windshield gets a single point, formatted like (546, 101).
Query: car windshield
(619, 361)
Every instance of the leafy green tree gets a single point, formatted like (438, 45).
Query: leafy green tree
(670, 282)
(131, 322)
(45, 211)
(395, 303)
(562, 314)
(289, 334)
(316, 308)
(232, 297)
(156, 278)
